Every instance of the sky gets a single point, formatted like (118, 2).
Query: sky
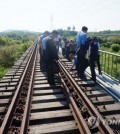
(41, 15)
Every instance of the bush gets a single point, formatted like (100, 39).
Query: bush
(106, 45)
(114, 39)
(6, 41)
(102, 40)
(12, 46)
(3, 71)
(115, 47)
(116, 74)
(8, 55)
(23, 47)
(109, 44)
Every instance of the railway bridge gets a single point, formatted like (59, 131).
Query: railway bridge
(29, 105)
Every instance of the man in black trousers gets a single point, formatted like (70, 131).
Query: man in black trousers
(51, 55)
(94, 58)
(82, 48)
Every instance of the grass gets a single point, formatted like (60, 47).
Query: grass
(9, 55)
(3, 71)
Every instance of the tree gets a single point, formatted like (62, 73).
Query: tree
(115, 47)
(73, 28)
(68, 28)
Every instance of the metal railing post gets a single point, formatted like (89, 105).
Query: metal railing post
(111, 64)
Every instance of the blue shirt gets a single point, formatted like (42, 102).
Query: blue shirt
(41, 38)
(81, 38)
(44, 42)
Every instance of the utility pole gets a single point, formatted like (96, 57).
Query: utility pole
(51, 18)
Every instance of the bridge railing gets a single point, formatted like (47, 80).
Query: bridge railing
(110, 64)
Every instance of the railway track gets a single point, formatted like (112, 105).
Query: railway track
(28, 104)
(104, 101)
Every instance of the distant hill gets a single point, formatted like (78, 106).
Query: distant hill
(12, 33)
(18, 32)
(106, 33)
(15, 30)
(20, 35)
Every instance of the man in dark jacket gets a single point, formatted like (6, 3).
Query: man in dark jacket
(51, 55)
(93, 57)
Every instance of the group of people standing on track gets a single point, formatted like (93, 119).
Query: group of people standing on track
(48, 53)
(73, 50)
(91, 45)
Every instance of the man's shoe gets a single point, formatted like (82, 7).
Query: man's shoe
(52, 84)
(81, 77)
(100, 73)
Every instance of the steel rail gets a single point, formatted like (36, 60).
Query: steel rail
(105, 128)
(25, 121)
(83, 128)
(81, 109)
(10, 113)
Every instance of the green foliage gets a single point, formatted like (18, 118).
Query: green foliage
(20, 36)
(23, 47)
(4, 40)
(109, 43)
(106, 33)
(8, 55)
(105, 45)
(73, 28)
(117, 74)
(3, 71)
(110, 64)
(68, 28)
(67, 33)
(12, 46)
(114, 39)
(115, 47)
